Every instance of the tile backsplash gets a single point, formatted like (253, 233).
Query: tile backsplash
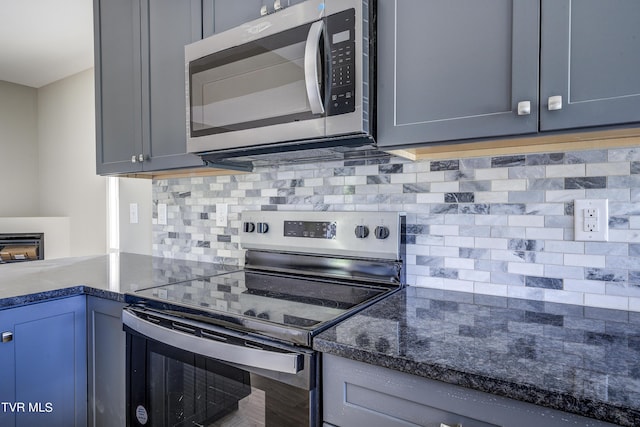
(489, 225)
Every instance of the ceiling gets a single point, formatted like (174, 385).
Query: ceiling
(42, 41)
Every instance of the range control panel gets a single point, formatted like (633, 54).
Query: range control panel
(358, 234)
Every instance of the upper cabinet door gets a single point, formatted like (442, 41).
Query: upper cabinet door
(221, 15)
(117, 81)
(590, 63)
(168, 25)
(456, 69)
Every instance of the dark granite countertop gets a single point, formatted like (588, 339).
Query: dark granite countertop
(577, 359)
(106, 276)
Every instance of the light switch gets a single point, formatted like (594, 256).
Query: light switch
(133, 213)
(591, 220)
(222, 211)
(162, 213)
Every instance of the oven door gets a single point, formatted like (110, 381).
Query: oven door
(184, 373)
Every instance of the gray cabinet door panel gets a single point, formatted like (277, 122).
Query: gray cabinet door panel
(456, 69)
(171, 25)
(106, 363)
(359, 394)
(221, 15)
(117, 73)
(590, 55)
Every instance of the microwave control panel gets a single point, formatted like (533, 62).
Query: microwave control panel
(342, 85)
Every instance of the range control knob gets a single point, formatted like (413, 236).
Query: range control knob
(249, 227)
(381, 232)
(263, 227)
(362, 231)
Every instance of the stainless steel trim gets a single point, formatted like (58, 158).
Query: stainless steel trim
(251, 357)
(311, 54)
(345, 242)
(300, 138)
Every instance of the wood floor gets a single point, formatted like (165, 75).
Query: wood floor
(250, 412)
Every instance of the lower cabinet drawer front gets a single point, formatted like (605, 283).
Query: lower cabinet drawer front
(387, 410)
(358, 394)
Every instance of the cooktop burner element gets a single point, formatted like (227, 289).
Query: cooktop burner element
(304, 271)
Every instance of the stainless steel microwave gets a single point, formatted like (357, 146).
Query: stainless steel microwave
(301, 77)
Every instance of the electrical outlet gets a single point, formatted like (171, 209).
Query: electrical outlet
(591, 220)
(590, 212)
(591, 225)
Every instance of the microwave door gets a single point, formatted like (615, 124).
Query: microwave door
(264, 91)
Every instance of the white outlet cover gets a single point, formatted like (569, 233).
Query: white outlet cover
(222, 213)
(133, 213)
(581, 220)
(162, 213)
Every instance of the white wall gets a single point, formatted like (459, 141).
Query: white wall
(18, 150)
(136, 238)
(47, 165)
(56, 233)
(68, 183)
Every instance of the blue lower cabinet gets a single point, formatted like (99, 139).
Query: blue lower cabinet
(44, 364)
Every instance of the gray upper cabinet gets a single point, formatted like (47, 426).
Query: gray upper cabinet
(140, 102)
(118, 85)
(168, 25)
(456, 69)
(590, 57)
(221, 15)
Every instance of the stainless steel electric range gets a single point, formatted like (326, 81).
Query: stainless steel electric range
(235, 349)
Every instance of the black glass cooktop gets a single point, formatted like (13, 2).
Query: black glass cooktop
(287, 307)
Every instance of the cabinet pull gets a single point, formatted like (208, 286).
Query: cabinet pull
(555, 103)
(447, 425)
(141, 158)
(263, 10)
(524, 108)
(134, 159)
(7, 336)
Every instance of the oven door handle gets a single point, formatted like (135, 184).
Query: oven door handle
(290, 363)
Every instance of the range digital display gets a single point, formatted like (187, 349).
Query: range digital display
(310, 229)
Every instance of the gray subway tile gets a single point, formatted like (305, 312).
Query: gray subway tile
(415, 188)
(585, 182)
(507, 208)
(508, 161)
(445, 165)
(546, 184)
(545, 159)
(605, 275)
(475, 185)
(459, 197)
(543, 282)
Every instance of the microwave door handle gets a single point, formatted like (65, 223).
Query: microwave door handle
(290, 363)
(311, 54)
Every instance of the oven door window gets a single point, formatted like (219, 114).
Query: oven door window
(264, 80)
(178, 388)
